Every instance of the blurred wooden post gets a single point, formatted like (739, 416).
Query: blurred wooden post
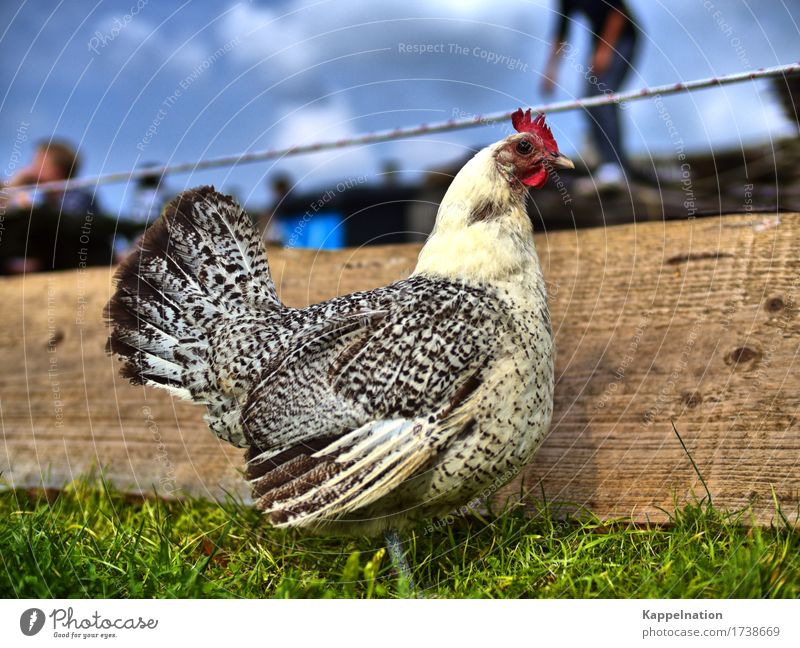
(693, 322)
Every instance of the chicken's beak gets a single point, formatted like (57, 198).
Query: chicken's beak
(562, 162)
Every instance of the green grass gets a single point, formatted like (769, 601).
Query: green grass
(91, 542)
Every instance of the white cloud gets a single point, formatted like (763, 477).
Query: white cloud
(332, 120)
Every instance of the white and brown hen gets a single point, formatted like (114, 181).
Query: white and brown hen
(374, 410)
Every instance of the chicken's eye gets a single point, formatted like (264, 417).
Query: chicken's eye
(524, 147)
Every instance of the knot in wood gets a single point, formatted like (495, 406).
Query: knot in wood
(691, 399)
(743, 355)
(774, 304)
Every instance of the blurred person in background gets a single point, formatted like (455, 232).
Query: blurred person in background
(149, 198)
(614, 39)
(150, 195)
(279, 187)
(53, 160)
(52, 229)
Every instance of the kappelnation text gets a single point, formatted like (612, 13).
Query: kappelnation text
(680, 615)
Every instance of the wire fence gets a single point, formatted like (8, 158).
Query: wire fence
(408, 132)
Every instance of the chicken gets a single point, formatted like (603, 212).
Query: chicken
(374, 410)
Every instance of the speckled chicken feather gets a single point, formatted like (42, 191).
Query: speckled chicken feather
(368, 411)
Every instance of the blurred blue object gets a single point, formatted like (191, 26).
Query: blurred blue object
(322, 231)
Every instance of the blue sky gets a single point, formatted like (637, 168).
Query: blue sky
(136, 81)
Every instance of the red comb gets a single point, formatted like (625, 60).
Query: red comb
(523, 124)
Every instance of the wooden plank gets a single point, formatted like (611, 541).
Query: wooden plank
(693, 321)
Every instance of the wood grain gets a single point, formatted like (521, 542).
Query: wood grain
(694, 322)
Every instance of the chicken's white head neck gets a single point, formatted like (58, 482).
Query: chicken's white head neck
(482, 231)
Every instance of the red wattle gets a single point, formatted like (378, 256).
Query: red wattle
(535, 179)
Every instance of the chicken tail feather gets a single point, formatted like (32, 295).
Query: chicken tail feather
(199, 268)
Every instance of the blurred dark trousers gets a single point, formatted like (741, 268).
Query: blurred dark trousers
(57, 241)
(604, 120)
